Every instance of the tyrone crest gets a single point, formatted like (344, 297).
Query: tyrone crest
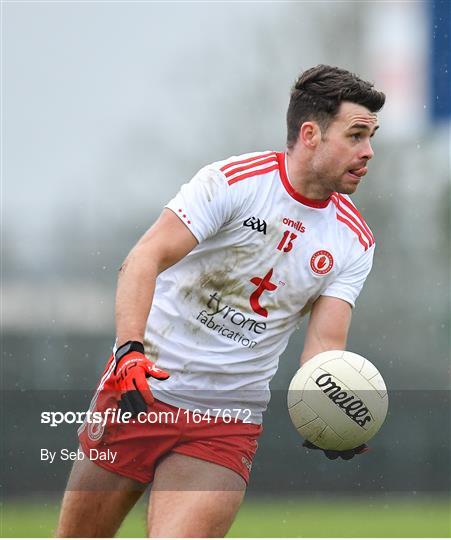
(321, 262)
(95, 430)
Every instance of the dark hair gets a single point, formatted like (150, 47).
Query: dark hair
(318, 93)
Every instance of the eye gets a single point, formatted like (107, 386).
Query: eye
(356, 137)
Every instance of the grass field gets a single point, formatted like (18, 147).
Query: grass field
(340, 517)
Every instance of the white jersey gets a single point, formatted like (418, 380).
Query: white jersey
(222, 316)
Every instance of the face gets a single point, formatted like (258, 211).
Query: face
(340, 157)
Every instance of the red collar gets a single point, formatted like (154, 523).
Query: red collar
(313, 203)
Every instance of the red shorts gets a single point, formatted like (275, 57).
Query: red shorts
(133, 449)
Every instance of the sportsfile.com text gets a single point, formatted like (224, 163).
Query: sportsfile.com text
(56, 418)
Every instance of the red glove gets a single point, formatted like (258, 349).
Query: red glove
(334, 454)
(132, 370)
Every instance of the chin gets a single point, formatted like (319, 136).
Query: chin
(347, 190)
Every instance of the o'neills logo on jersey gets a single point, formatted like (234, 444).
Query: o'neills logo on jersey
(321, 262)
(353, 407)
(298, 225)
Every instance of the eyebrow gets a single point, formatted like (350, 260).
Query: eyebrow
(364, 127)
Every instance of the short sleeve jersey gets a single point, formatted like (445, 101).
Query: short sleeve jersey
(222, 316)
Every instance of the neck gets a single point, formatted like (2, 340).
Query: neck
(303, 179)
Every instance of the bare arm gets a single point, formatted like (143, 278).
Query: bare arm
(164, 244)
(327, 328)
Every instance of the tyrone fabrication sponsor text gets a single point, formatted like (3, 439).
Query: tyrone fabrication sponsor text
(229, 318)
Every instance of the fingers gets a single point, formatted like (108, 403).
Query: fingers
(347, 454)
(334, 454)
(362, 449)
(309, 445)
(157, 373)
(131, 375)
(133, 403)
(141, 384)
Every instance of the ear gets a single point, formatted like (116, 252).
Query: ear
(310, 134)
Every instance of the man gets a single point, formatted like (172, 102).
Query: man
(212, 293)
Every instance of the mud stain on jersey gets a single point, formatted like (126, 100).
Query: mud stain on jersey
(193, 329)
(187, 293)
(228, 275)
(211, 183)
(167, 330)
(151, 349)
(307, 308)
(229, 290)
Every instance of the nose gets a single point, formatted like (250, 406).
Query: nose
(367, 150)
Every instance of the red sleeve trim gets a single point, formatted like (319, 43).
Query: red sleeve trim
(251, 165)
(253, 158)
(352, 227)
(257, 172)
(354, 222)
(357, 214)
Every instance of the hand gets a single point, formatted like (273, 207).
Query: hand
(132, 370)
(334, 454)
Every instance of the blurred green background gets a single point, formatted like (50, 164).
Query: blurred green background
(107, 109)
(349, 517)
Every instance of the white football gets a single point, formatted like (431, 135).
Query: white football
(337, 400)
